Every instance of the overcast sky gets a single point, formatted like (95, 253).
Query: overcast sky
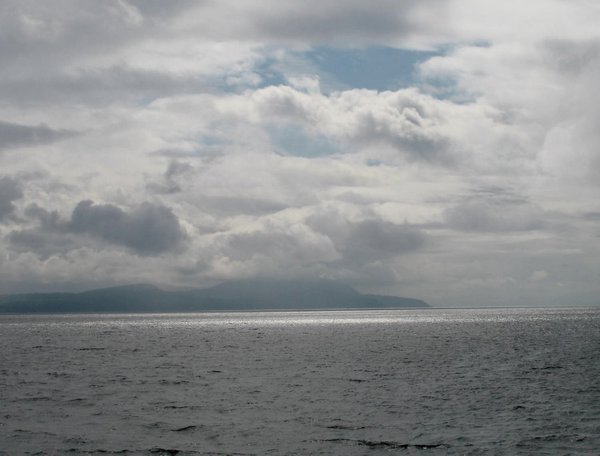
(444, 150)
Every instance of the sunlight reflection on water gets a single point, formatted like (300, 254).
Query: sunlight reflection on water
(312, 318)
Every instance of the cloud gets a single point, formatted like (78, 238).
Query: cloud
(321, 243)
(258, 157)
(91, 29)
(538, 276)
(44, 244)
(366, 240)
(591, 216)
(409, 123)
(46, 34)
(148, 229)
(315, 21)
(174, 172)
(486, 215)
(294, 244)
(97, 86)
(10, 190)
(375, 239)
(325, 21)
(15, 135)
(547, 128)
(229, 205)
(110, 52)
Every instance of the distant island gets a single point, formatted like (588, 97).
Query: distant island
(239, 295)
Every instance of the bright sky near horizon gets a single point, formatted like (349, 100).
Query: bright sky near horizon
(446, 150)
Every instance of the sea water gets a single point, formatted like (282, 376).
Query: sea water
(492, 381)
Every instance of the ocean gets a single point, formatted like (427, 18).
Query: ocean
(431, 382)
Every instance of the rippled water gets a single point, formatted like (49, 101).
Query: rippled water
(511, 381)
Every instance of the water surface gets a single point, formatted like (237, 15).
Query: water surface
(435, 381)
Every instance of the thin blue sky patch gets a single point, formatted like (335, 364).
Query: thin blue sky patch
(374, 162)
(211, 140)
(375, 68)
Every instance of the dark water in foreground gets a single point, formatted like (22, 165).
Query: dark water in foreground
(516, 381)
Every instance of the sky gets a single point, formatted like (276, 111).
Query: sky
(445, 150)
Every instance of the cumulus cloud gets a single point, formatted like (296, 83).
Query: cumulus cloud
(321, 243)
(294, 244)
(410, 123)
(148, 229)
(365, 240)
(548, 127)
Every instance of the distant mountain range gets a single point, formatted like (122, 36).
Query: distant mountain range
(236, 295)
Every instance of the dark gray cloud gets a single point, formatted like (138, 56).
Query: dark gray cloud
(43, 244)
(367, 240)
(328, 21)
(99, 86)
(226, 205)
(10, 190)
(50, 237)
(149, 229)
(16, 135)
(49, 220)
(377, 239)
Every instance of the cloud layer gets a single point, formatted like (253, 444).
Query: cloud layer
(207, 141)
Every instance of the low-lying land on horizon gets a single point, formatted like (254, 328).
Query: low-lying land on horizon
(237, 295)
